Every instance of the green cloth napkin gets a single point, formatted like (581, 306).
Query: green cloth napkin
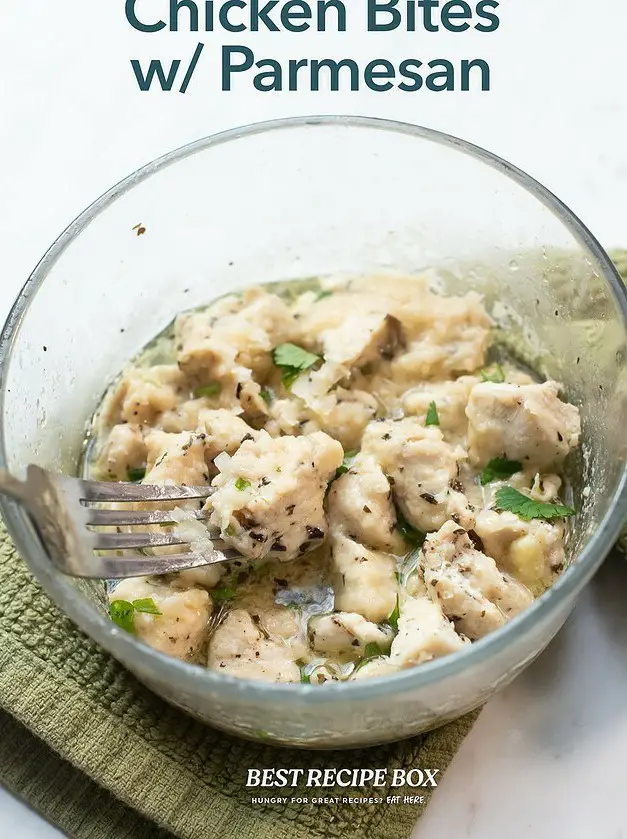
(102, 757)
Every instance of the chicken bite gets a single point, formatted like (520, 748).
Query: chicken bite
(347, 634)
(448, 336)
(527, 423)
(176, 458)
(239, 648)
(361, 339)
(424, 633)
(182, 627)
(364, 580)
(234, 333)
(532, 551)
(467, 584)
(269, 496)
(123, 451)
(143, 394)
(360, 504)
(423, 471)
(374, 668)
(450, 399)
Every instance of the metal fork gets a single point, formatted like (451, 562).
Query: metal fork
(63, 512)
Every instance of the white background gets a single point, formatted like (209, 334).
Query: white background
(548, 755)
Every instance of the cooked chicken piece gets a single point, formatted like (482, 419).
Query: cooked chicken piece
(423, 633)
(313, 386)
(448, 336)
(124, 450)
(532, 551)
(254, 407)
(143, 394)
(545, 488)
(185, 417)
(450, 400)
(347, 634)
(176, 458)
(375, 667)
(528, 423)
(237, 333)
(208, 576)
(347, 416)
(181, 629)
(330, 313)
(342, 413)
(225, 432)
(289, 416)
(269, 496)
(360, 503)
(239, 648)
(361, 339)
(471, 590)
(364, 580)
(423, 470)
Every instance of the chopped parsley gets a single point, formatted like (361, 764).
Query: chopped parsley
(497, 376)
(433, 417)
(267, 395)
(241, 484)
(146, 606)
(349, 457)
(122, 612)
(211, 389)
(500, 468)
(305, 678)
(136, 475)
(223, 594)
(510, 500)
(230, 531)
(322, 294)
(372, 650)
(293, 361)
(393, 619)
(414, 538)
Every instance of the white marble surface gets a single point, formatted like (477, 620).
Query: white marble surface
(547, 756)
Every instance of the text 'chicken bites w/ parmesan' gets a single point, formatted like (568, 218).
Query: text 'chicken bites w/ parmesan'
(393, 494)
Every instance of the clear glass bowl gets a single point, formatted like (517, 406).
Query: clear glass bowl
(296, 198)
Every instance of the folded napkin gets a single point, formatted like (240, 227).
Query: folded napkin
(101, 757)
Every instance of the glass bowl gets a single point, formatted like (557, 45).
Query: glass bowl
(296, 198)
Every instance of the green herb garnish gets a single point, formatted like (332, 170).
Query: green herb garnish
(432, 415)
(497, 376)
(304, 677)
(146, 606)
(372, 650)
(322, 294)
(393, 619)
(510, 500)
(267, 395)
(498, 469)
(122, 612)
(211, 389)
(241, 484)
(293, 361)
(230, 531)
(414, 538)
(349, 458)
(223, 594)
(136, 475)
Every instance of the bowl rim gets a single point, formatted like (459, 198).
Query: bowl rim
(192, 677)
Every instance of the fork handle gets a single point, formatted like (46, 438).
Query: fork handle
(12, 486)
